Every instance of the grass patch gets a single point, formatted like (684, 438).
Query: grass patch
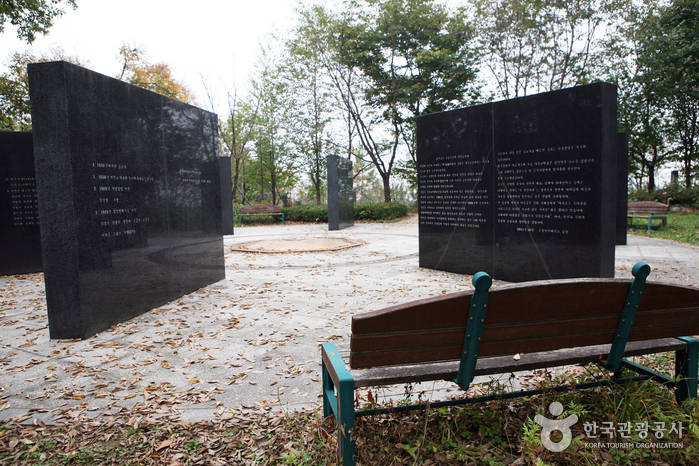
(680, 227)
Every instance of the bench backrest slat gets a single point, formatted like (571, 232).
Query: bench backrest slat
(258, 209)
(647, 207)
(521, 318)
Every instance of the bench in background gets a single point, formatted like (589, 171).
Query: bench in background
(647, 210)
(258, 210)
(549, 323)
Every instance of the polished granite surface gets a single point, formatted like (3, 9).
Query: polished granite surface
(340, 193)
(524, 189)
(19, 214)
(129, 195)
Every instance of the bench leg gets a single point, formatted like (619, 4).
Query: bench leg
(329, 400)
(345, 423)
(342, 404)
(240, 220)
(282, 217)
(687, 371)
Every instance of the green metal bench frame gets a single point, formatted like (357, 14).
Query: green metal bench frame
(338, 382)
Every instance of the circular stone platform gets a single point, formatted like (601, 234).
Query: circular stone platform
(297, 245)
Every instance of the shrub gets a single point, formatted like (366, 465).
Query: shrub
(364, 211)
(686, 197)
(380, 211)
(306, 213)
(640, 195)
(675, 192)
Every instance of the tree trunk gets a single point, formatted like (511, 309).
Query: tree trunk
(235, 179)
(651, 170)
(386, 188)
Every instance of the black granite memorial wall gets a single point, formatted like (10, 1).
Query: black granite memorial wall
(524, 189)
(20, 238)
(340, 193)
(129, 197)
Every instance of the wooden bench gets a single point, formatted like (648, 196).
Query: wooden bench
(258, 210)
(647, 210)
(548, 323)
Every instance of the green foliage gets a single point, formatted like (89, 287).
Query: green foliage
(686, 197)
(535, 46)
(380, 211)
(31, 17)
(375, 211)
(313, 106)
(271, 167)
(15, 112)
(681, 227)
(531, 434)
(416, 54)
(407, 171)
(306, 213)
(669, 58)
(389, 62)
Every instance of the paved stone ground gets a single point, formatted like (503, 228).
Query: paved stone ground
(249, 341)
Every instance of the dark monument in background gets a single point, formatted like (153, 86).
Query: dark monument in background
(524, 189)
(340, 193)
(226, 195)
(129, 197)
(20, 239)
(622, 186)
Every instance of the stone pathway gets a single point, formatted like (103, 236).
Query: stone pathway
(249, 341)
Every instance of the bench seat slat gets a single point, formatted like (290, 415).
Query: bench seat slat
(391, 375)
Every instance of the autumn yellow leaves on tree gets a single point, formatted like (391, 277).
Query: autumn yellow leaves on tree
(15, 112)
(156, 77)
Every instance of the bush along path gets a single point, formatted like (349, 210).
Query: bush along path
(376, 211)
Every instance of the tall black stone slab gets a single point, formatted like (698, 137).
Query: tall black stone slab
(622, 186)
(129, 197)
(20, 238)
(226, 195)
(455, 195)
(340, 193)
(524, 189)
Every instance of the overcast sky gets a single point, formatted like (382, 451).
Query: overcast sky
(216, 39)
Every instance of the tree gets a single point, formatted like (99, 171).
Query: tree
(670, 57)
(15, 112)
(541, 45)
(156, 77)
(31, 17)
(274, 166)
(310, 92)
(641, 114)
(236, 135)
(416, 58)
(389, 62)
